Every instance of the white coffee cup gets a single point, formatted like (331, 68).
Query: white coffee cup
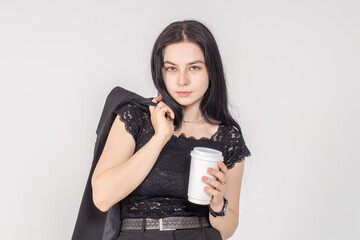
(201, 159)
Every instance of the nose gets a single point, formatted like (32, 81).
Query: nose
(183, 78)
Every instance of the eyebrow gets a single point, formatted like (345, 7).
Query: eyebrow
(197, 61)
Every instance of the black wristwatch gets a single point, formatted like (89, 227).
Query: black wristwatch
(222, 213)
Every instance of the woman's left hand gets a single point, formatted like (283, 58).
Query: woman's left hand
(218, 188)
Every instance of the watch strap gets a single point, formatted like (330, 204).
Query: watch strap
(222, 213)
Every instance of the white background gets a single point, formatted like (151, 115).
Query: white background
(292, 71)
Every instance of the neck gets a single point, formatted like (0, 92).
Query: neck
(192, 113)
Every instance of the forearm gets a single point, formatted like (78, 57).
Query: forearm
(226, 225)
(116, 183)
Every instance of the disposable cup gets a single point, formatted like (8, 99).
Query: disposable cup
(201, 159)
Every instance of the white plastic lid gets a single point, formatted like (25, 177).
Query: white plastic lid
(206, 154)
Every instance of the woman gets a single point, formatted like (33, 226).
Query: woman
(148, 173)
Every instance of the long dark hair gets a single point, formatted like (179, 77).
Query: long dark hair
(215, 101)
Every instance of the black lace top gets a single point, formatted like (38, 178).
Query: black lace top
(163, 193)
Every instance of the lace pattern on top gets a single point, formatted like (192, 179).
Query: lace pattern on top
(236, 150)
(163, 192)
(133, 119)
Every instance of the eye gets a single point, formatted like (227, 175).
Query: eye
(195, 67)
(169, 68)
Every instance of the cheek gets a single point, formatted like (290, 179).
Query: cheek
(168, 78)
(203, 83)
(169, 85)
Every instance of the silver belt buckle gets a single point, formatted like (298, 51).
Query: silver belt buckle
(161, 226)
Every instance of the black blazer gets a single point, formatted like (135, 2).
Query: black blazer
(91, 223)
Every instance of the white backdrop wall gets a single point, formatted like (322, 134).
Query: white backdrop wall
(292, 71)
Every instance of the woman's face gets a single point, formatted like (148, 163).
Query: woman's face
(184, 72)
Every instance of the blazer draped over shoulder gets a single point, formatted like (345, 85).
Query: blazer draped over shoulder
(91, 223)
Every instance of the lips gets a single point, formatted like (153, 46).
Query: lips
(183, 94)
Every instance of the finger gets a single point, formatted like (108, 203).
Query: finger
(170, 112)
(156, 99)
(167, 110)
(213, 191)
(216, 173)
(222, 167)
(215, 183)
(221, 177)
(161, 104)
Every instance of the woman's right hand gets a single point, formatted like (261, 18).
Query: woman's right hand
(163, 127)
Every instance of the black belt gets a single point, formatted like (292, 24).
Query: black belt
(163, 224)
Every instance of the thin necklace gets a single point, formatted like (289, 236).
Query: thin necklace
(193, 121)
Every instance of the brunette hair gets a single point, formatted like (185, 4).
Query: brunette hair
(215, 101)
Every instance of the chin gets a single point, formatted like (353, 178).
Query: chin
(182, 102)
(186, 102)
